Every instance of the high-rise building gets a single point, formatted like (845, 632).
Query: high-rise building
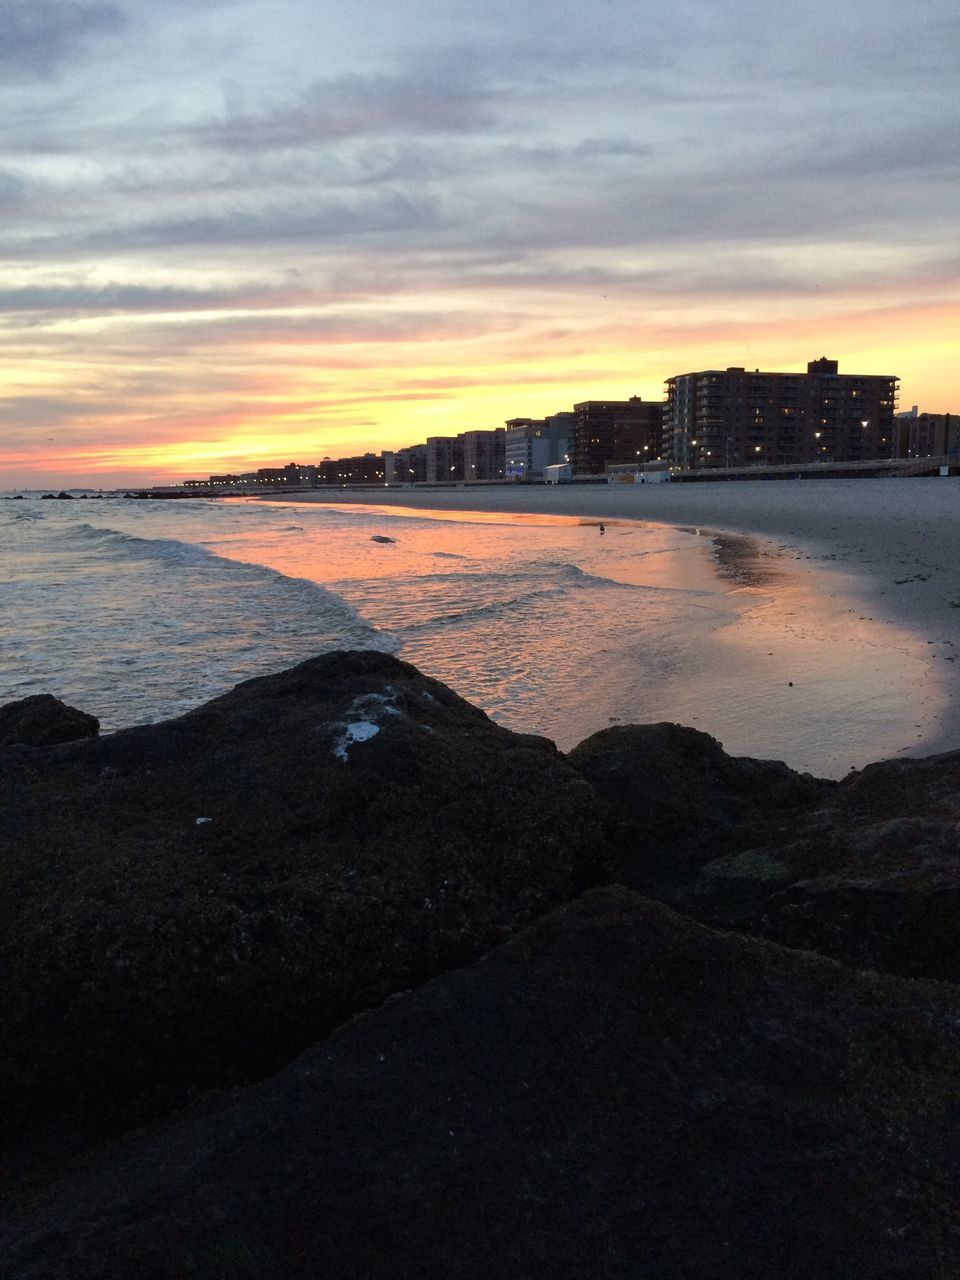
(410, 465)
(365, 469)
(444, 459)
(288, 475)
(618, 431)
(733, 417)
(483, 454)
(531, 444)
(931, 435)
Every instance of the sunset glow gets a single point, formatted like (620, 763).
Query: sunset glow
(237, 237)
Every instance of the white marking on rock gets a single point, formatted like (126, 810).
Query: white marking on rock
(201, 821)
(358, 731)
(367, 708)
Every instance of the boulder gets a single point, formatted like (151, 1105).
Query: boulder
(866, 870)
(875, 875)
(42, 721)
(617, 1092)
(191, 903)
(727, 889)
(673, 800)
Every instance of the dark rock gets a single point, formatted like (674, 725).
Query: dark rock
(673, 800)
(866, 870)
(379, 537)
(617, 1092)
(42, 721)
(190, 903)
(728, 888)
(876, 874)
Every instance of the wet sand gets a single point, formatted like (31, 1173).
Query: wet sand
(900, 539)
(872, 551)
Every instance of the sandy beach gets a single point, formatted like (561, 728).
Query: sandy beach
(887, 551)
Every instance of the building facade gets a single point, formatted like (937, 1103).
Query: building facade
(533, 444)
(444, 459)
(734, 418)
(484, 456)
(614, 431)
(409, 466)
(365, 469)
(931, 435)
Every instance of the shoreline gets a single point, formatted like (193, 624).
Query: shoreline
(887, 551)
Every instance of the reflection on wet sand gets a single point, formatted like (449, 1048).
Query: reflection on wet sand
(799, 676)
(552, 629)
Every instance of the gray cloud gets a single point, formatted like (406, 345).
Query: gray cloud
(386, 213)
(13, 191)
(40, 35)
(123, 298)
(444, 96)
(49, 411)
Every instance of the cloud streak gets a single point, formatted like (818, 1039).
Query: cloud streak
(446, 98)
(40, 36)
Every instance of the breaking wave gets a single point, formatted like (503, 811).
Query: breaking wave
(150, 627)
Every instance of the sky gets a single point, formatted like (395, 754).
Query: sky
(239, 234)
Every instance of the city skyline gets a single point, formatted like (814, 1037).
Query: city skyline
(232, 235)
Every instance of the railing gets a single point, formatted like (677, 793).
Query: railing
(893, 467)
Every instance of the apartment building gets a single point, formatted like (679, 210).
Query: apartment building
(734, 417)
(365, 469)
(930, 435)
(614, 431)
(533, 444)
(444, 459)
(484, 456)
(407, 466)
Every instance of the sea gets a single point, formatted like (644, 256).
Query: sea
(136, 610)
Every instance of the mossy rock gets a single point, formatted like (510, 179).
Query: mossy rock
(190, 903)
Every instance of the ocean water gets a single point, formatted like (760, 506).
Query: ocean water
(136, 611)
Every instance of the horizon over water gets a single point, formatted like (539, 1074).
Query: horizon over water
(136, 611)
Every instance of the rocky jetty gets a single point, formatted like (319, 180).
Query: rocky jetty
(42, 721)
(616, 1092)
(674, 800)
(331, 939)
(874, 877)
(191, 903)
(866, 870)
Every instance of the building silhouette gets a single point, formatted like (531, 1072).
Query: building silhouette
(735, 417)
(444, 459)
(712, 419)
(484, 456)
(533, 444)
(930, 435)
(406, 466)
(614, 431)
